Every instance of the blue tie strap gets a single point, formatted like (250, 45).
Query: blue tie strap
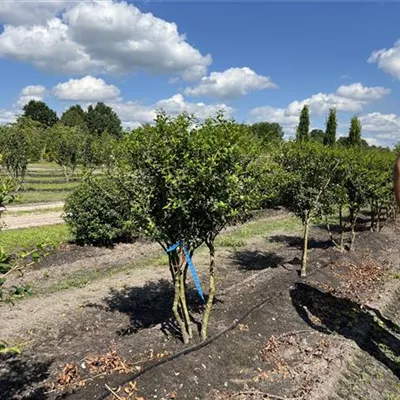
(191, 266)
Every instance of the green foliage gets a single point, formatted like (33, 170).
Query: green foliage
(40, 112)
(309, 169)
(97, 151)
(64, 147)
(268, 131)
(331, 127)
(317, 135)
(97, 214)
(74, 116)
(302, 132)
(354, 138)
(186, 183)
(101, 118)
(14, 145)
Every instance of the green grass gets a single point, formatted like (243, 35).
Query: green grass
(27, 238)
(261, 227)
(40, 197)
(50, 186)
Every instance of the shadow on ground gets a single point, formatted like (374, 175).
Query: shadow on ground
(150, 305)
(362, 324)
(256, 260)
(21, 377)
(297, 241)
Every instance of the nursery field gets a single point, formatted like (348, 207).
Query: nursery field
(198, 260)
(97, 323)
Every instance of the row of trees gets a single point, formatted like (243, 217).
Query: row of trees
(78, 137)
(95, 120)
(84, 137)
(182, 181)
(329, 136)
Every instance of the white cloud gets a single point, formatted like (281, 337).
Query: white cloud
(133, 113)
(380, 129)
(378, 122)
(31, 92)
(6, 117)
(104, 37)
(347, 98)
(231, 83)
(388, 60)
(23, 12)
(372, 141)
(320, 103)
(34, 90)
(88, 88)
(359, 92)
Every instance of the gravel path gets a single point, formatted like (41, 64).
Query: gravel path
(34, 215)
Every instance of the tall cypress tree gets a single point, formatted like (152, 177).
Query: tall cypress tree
(354, 132)
(331, 126)
(302, 133)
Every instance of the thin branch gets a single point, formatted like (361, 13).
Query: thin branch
(112, 392)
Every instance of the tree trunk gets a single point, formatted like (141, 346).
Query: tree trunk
(328, 227)
(372, 218)
(183, 304)
(353, 219)
(303, 271)
(342, 228)
(185, 335)
(212, 290)
(378, 219)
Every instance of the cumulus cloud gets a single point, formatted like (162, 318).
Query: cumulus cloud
(320, 103)
(134, 113)
(88, 88)
(6, 117)
(22, 12)
(379, 128)
(347, 98)
(104, 37)
(388, 60)
(359, 92)
(31, 92)
(231, 83)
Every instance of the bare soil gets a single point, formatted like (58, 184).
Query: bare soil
(271, 332)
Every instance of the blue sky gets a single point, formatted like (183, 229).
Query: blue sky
(258, 61)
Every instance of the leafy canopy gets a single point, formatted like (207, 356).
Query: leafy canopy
(39, 111)
(187, 180)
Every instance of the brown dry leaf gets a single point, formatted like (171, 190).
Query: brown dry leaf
(111, 362)
(69, 376)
